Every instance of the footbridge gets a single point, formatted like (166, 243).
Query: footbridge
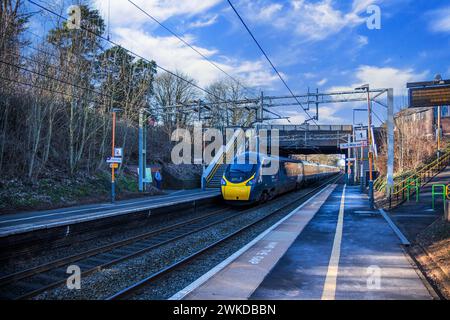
(311, 139)
(293, 139)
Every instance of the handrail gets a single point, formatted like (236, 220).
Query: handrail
(223, 152)
(437, 162)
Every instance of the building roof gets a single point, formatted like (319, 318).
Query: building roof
(410, 111)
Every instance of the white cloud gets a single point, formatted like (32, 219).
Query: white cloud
(256, 73)
(170, 53)
(327, 115)
(384, 77)
(132, 29)
(362, 41)
(439, 20)
(317, 21)
(269, 11)
(204, 22)
(359, 6)
(313, 21)
(309, 75)
(123, 13)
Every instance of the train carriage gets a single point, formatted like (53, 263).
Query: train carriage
(248, 179)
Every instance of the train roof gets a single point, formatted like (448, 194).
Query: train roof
(264, 156)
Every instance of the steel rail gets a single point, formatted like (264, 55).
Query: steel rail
(35, 271)
(130, 290)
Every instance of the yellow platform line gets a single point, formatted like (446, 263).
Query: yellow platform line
(329, 289)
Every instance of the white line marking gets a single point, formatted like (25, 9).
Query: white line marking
(112, 207)
(197, 283)
(394, 228)
(365, 212)
(329, 289)
(5, 231)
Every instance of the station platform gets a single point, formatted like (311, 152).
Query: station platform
(331, 247)
(22, 222)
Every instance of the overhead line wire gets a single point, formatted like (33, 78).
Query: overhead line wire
(270, 62)
(128, 50)
(188, 44)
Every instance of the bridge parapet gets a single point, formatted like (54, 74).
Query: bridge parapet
(306, 139)
(305, 127)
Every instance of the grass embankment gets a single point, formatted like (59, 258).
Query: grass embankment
(435, 239)
(52, 192)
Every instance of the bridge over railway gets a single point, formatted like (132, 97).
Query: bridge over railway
(304, 138)
(311, 139)
(293, 139)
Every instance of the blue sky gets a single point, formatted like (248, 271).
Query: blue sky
(321, 44)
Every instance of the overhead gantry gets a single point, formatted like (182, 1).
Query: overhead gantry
(262, 109)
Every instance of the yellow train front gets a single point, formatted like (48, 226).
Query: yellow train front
(258, 178)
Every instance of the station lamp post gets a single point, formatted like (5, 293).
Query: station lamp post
(369, 134)
(361, 158)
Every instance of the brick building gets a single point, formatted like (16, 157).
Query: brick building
(422, 122)
(415, 135)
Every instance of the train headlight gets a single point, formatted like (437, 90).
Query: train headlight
(223, 182)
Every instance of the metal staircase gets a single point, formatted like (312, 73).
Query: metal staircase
(214, 182)
(214, 172)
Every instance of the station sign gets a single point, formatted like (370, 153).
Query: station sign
(429, 94)
(357, 144)
(118, 152)
(113, 160)
(360, 135)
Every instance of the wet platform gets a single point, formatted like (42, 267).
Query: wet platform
(16, 223)
(332, 247)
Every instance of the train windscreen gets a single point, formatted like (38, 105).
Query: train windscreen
(239, 172)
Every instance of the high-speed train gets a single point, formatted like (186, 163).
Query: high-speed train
(246, 181)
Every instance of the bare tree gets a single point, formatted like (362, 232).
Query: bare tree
(169, 91)
(228, 113)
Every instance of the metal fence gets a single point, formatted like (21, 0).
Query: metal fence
(410, 185)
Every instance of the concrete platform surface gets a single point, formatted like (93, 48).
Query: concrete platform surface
(346, 251)
(28, 221)
(239, 279)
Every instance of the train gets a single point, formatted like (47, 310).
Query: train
(243, 182)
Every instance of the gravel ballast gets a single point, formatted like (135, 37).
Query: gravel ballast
(105, 283)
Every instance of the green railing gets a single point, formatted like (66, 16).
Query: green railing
(415, 179)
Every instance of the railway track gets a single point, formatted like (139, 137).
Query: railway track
(30, 282)
(133, 289)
